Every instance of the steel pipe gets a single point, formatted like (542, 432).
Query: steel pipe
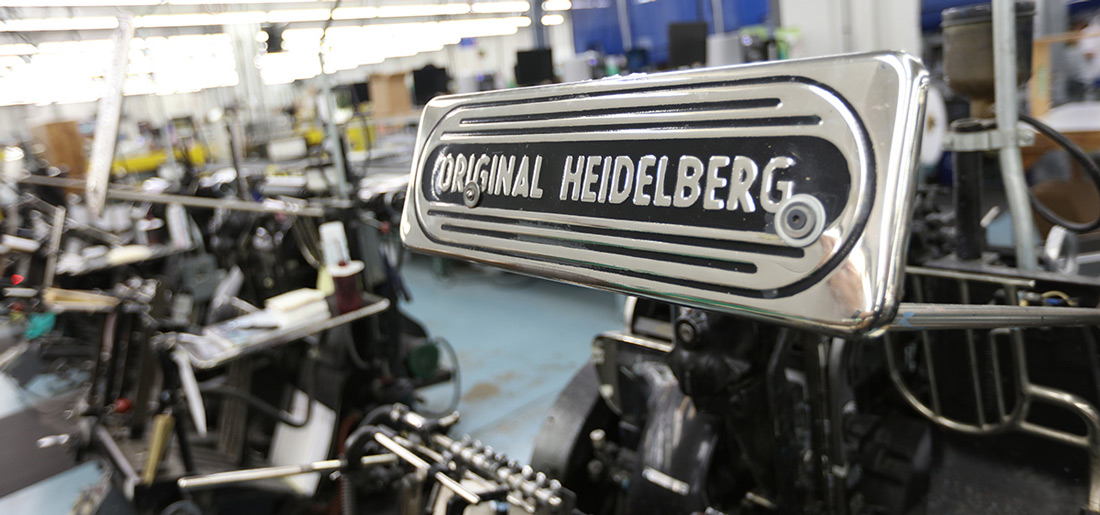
(923, 317)
(241, 476)
(1012, 168)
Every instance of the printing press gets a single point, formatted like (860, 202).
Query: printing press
(811, 325)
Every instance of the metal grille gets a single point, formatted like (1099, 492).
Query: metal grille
(1003, 397)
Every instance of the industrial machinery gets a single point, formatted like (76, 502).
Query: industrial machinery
(814, 331)
(811, 329)
(203, 332)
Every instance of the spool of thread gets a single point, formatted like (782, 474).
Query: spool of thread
(345, 281)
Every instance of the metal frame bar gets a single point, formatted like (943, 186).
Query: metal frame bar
(232, 477)
(1012, 168)
(1004, 321)
(926, 316)
(184, 200)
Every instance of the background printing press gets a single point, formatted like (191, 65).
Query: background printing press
(549, 257)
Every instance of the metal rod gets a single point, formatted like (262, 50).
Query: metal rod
(718, 15)
(972, 350)
(418, 462)
(969, 276)
(343, 190)
(926, 343)
(623, 13)
(241, 476)
(933, 388)
(185, 200)
(1012, 169)
(457, 488)
(923, 317)
(129, 476)
(997, 388)
(644, 343)
(55, 246)
(108, 112)
(915, 403)
(511, 498)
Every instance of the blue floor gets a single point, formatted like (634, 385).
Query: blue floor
(55, 495)
(518, 341)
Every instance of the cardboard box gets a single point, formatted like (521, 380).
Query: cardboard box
(390, 95)
(64, 146)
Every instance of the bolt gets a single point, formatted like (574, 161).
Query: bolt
(598, 437)
(471, 195)
(686, 331)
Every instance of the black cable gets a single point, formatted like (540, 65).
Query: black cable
(266, 409)
(353, 353)
(456, 382)
(376, 416)
(1081, 157)
(260, 405)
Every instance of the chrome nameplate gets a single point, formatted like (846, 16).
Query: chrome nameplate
(778, 190)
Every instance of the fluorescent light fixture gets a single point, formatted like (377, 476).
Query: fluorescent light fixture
(59, 24)
(18, 49)
(500, 7)
(11, 61)
(557, 5)
(76, 3)
(552, 19)
(246, 17)
(355, 13)
(200, 19)
(224, 2)
(75, 47)
(408, 11)
(294, 15)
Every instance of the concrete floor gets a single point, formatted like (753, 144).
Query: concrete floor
(518, 341)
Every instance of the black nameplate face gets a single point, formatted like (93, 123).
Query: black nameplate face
(730, 183)
(746, 189)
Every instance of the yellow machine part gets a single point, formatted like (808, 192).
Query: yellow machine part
(357, 138)
(150, 161)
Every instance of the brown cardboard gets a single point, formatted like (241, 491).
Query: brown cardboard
(389, 95)
(64, 146)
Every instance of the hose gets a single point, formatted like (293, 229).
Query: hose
(374, 417)
(456, 381)
(268, 410)
(1081, 157)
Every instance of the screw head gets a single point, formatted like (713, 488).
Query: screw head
(800, 220)
(471, 194)
(686, 331)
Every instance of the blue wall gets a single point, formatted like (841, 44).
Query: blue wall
(596, 22)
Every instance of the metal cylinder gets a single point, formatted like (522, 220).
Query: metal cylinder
(968, 52)
(968, 195)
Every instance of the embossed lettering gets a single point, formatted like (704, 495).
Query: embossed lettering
(643, 179)
(710, 197)
(624, 167)
(688, 175)
(742, 177)
(771, 185)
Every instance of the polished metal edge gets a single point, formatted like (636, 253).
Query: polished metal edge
(888, 93)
